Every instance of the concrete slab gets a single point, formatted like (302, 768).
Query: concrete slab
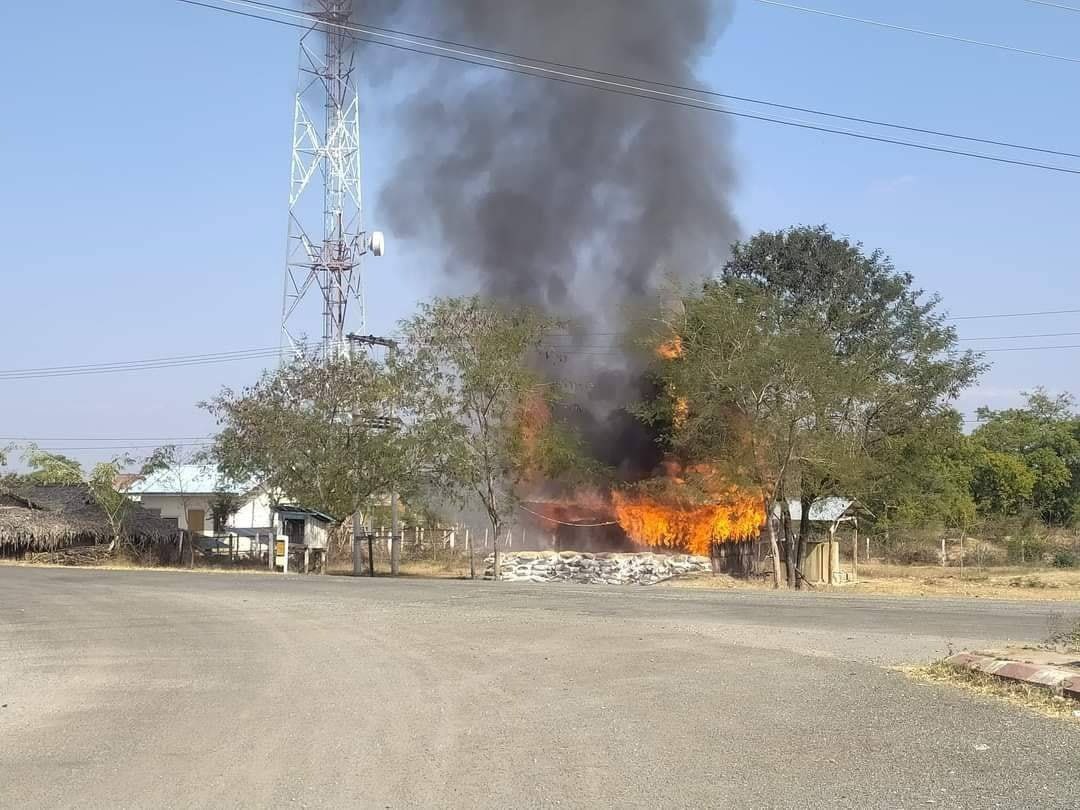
(1053, 669)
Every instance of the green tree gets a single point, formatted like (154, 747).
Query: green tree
(47, 468)
(178, 464)
(485, 396)
(115, 504)
(924, 479)
(1003, 484)
(812, 356)
(1043, 437)
(321, 432)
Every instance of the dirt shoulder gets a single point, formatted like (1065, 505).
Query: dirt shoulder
(1047, 584)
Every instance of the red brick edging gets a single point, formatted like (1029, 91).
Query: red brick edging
(1061, 680)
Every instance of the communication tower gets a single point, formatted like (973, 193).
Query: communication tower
(327, 239)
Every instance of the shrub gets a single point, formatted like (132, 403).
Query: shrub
(1065, 559)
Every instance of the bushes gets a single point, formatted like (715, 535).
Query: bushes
(1066, 559)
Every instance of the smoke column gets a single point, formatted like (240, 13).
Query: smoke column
(571, 198)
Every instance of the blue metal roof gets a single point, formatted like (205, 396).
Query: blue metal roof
(826, 510)
(187, 479)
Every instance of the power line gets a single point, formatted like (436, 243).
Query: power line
(164, 439)
(1054, 5)
(694, 89)
(936, 35)
(115, 447)
(1030, 348)
(1013, 315)
(136, 365)
(1022, 337)
(536, 70)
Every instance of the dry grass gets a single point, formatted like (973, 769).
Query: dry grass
(1049, 584)
(1028, 696)
(993, 583)
(130, 565)
(719, 582)
(450, 568)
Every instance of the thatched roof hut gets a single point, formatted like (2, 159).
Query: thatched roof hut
(46, 518)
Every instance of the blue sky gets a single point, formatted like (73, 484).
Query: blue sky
(146, 174)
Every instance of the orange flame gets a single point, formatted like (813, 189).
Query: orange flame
(677, 520)
(681, 412)
(670, 349)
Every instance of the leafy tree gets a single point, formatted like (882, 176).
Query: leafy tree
(1044, 438)
(924, 478)
(320, 432)
(177, 462)
(485, 397)
(814, 358)
(1002, 482)
(114, 503)
(50, 468)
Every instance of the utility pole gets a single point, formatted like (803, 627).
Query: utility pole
(387, 423)
(326, 238)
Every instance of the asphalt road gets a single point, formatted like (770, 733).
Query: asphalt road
(160, 690)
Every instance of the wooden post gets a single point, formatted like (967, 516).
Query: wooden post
(472, 556)
(485, 539)
(307, 560)
(830, 566)
(855, 554)
(285, 565)
(371, 554)
(944, 554)
(270, 542)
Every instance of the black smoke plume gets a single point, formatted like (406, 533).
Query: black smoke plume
(581, 201)
(568, 197)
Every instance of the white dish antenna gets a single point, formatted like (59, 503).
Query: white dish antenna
(377, 246)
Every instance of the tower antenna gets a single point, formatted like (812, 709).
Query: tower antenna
(326, 241)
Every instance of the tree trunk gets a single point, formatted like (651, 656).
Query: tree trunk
(774, 547)
(806, 501)
(496, 573)
(395, 536)
(789, 544)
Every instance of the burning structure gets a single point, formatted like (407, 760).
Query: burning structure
(579, 201)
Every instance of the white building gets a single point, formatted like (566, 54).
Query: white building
(188, 494)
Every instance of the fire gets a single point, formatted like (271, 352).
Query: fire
(670, 349)
(678, 517)
(681, 411)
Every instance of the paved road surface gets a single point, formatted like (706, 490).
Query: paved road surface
(158, 690)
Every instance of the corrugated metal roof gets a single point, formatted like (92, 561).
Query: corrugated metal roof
(293, 509)
(187, 479)
(826, 510)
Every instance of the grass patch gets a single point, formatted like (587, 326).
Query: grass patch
(1007, 582)
(1028, 696)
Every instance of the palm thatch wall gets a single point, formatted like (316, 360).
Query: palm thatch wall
(47, 518)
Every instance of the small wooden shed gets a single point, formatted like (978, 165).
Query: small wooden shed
(827, 517)
(301, 532)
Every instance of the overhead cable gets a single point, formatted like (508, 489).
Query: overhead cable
(581, 79)
(936, 35)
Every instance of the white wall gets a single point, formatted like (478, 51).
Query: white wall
(175, 507)
(254, 513)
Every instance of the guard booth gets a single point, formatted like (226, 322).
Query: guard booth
(302, 539)
(827, 516)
